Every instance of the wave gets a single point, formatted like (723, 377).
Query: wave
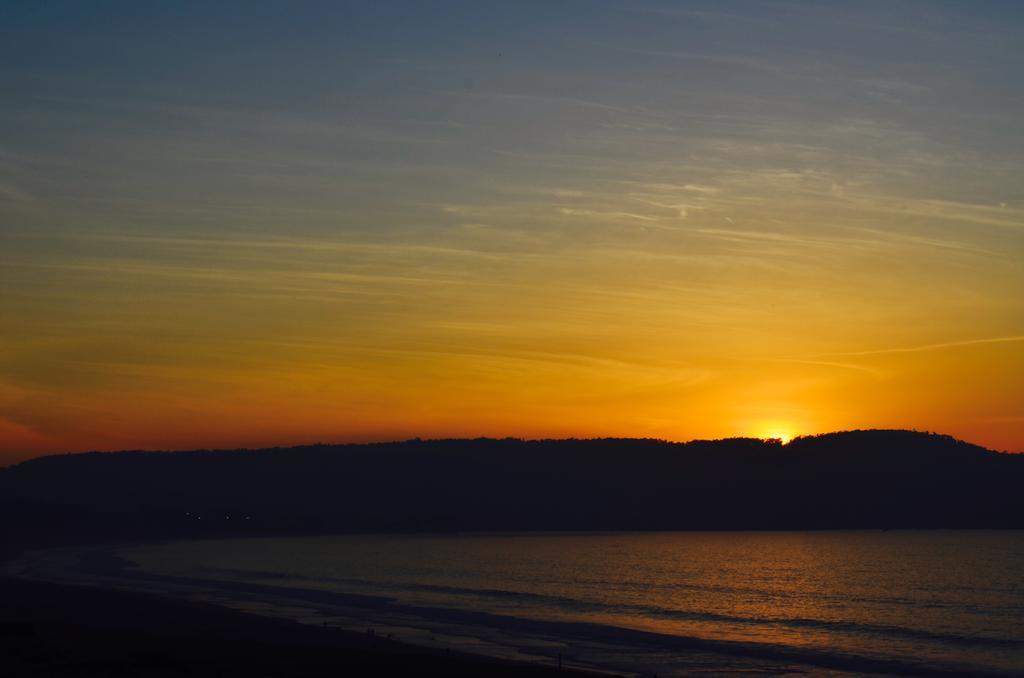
(601, 637)
(917, 603)
(627, 640)
(548, 601)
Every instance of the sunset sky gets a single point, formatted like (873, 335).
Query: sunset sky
(249, 224)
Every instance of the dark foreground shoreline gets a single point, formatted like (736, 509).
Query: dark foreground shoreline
(63, 630)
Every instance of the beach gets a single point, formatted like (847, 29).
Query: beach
(49, 629)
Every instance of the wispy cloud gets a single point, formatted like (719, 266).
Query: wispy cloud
(874, 372)
(557, 100)
(929, 347)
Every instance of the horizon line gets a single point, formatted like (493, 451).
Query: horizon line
(417, 439)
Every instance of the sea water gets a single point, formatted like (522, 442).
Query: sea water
(890, 602)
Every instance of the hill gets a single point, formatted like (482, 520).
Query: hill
(854, 479)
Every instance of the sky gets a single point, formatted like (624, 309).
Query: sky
(251, 224)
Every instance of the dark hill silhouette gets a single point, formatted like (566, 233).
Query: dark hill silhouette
(854, 479)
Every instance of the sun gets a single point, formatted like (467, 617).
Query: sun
(784, 436)
(780, 432)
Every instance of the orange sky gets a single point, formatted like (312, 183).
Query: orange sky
(679, 224)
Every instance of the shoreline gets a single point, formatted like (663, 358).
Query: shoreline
(73, 630)
(78, 576)
(89, 572)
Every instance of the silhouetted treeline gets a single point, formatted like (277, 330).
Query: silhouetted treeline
(857, 479)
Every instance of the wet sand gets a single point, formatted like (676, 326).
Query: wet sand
(62, 630)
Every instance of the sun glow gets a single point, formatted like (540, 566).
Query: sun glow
(777, 432)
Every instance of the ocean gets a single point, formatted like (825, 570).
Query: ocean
(638, 603)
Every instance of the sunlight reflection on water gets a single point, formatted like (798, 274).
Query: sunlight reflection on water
(943, 599)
